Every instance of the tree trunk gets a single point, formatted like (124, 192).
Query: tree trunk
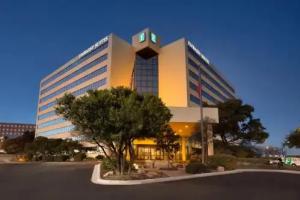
(101, 146)
(131, 155)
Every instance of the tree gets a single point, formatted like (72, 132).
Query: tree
(293, 139)
(16, 145)
(236, 123)
(115, 118)
(42, 146)
(168, 141)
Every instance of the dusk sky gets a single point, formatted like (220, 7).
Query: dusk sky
(255, 44)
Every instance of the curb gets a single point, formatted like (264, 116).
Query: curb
(96, 179)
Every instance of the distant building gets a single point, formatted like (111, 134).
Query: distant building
(173, 72)
(13, 130)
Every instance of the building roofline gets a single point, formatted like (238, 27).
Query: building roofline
(217, 71)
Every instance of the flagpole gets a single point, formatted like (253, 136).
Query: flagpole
(199, 90)
(201, 126)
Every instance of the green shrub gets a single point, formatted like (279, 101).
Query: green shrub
(79, 157)
(60, 158)
(100, 157)
(109, 164)
(29, 156)
(47, 158)
(227, 161)
(196, 167)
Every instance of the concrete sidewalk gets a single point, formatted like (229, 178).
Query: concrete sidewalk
(96, 178)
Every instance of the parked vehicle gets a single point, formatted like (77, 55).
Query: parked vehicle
(274, 161)
(292, 161)
(2, 151)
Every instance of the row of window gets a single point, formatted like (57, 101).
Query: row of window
(195, 99)
(77, 72)
(46, 115)
(197, 67)
(51, 122)
(195, 55)
(48, 105)
(75, 83)
(203, 93)
(213, 90)
(210, 98)
(193, 86)
(71, 66)
(17, 125)
(79, 92)
(57, 131)
(14, 130)
(148, 90)
(217, 84)
(194, 75)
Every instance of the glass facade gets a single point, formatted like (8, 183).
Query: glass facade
(146, 75)
(149, 152)
(209, 68)
(81, 91)
(57, 131)
(46, 115)
(209, 77)
(51, 123)
(76, 73)
(74, 84)
(75, 64)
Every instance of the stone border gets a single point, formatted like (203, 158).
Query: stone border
(96, 179)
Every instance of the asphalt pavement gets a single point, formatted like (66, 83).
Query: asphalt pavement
(72, 181)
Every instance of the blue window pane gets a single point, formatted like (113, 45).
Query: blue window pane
(76, 73)
(75, 83)
(73, 65)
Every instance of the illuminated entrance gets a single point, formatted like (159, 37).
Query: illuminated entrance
(149, 152)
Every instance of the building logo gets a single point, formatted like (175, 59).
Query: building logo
(93, 47)
(142, 37)
(198, 52)
(153, 38)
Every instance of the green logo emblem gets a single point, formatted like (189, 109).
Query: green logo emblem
(142, 37)
(153, 38)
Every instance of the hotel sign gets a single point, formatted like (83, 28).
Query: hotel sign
(93, 47)
(198, 52)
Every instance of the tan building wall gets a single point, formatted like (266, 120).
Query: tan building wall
(172, 74)
(121, 62)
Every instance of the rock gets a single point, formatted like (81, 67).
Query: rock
(110, 173)
(152, 174)
(140, 171)
(220, 169)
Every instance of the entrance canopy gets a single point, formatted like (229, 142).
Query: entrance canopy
(186, 120)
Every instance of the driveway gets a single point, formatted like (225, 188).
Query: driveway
(72, 181)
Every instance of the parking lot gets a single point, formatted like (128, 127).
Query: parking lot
(53, 181)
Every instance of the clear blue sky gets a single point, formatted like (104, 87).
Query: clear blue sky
(256, 44)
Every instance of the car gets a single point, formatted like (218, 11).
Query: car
(2, 151)
(275, 161)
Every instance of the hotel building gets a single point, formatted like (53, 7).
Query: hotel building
(173, 72)
(13, 130)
